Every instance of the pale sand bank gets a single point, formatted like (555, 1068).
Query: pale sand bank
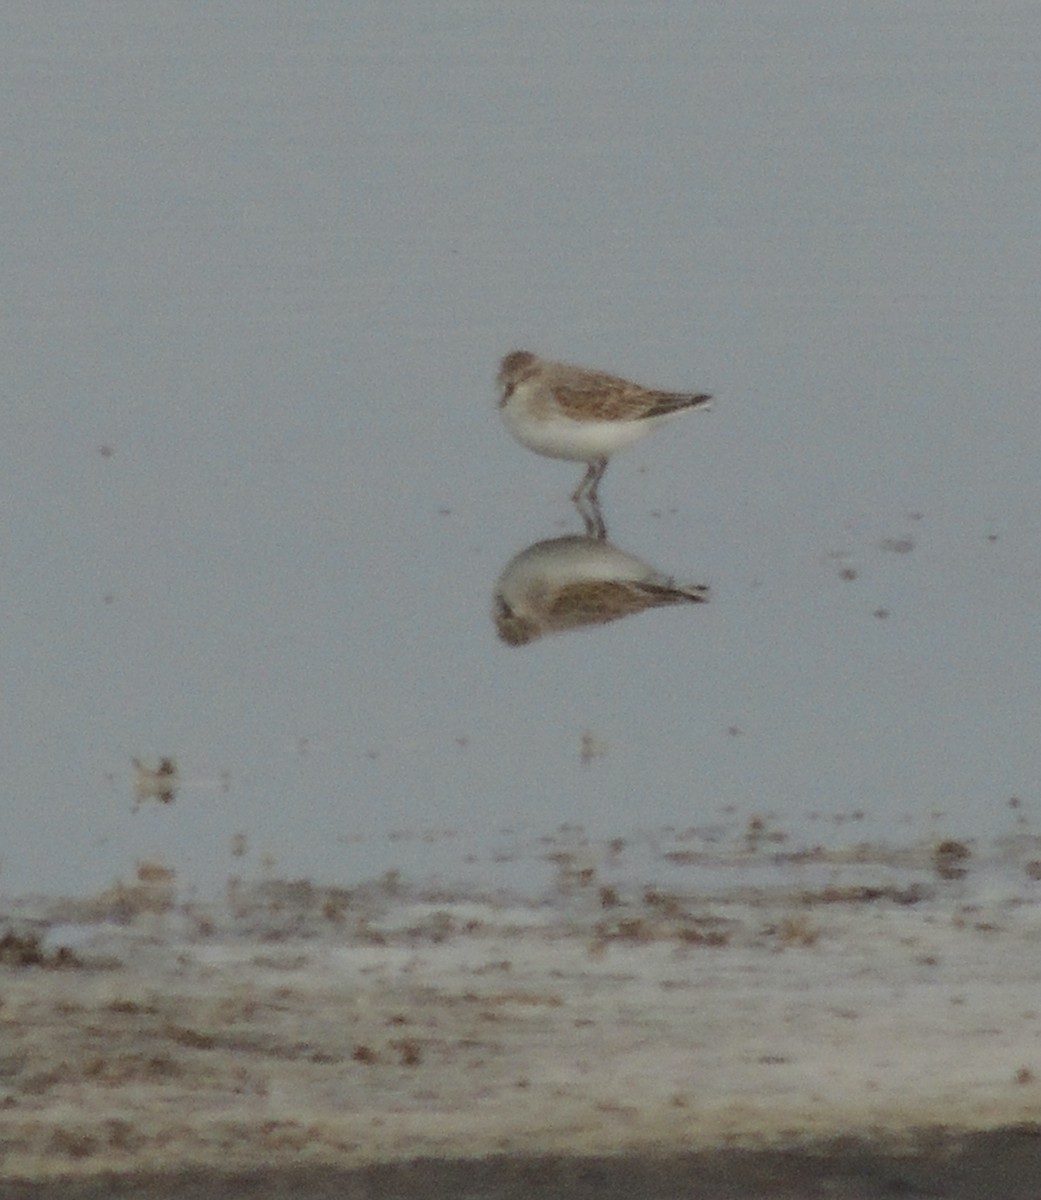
(322, 1032)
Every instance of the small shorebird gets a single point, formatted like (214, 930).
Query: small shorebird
(585, 416)
(576, 582)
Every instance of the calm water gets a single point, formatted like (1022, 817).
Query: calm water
(260, 265)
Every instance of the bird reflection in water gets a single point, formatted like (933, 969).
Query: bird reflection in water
(573, 582)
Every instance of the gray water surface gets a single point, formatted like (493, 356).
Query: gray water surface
(261, 262)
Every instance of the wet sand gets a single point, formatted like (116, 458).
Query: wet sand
(1004, 1163)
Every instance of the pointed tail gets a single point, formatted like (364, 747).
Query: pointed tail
(670, 402)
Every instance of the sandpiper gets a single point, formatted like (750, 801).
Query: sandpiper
(569, 412)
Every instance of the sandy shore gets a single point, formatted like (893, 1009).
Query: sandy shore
(852, 1024)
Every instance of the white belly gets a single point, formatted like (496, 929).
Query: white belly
(558, 437)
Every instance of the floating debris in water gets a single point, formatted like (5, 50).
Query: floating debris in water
(950, 859)
(592, 747)
(27, 951)
(155, 874)
(159, 784)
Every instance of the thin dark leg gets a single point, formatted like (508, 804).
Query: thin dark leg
(587, 501)
(592, 518)
(579, 492)
(601, 466)
(590, 480)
